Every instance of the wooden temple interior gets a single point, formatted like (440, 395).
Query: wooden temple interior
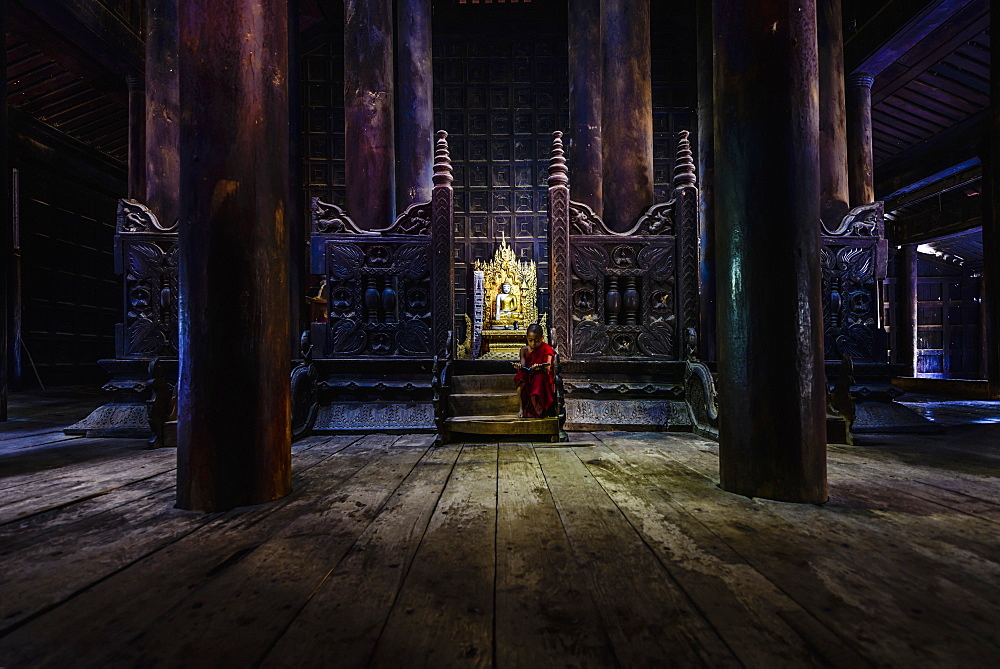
(266, 265)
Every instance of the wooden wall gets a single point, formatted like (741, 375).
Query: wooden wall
(70, 295)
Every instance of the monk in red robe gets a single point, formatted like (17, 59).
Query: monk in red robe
(534, 379)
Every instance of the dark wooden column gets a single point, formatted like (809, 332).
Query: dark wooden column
(860, 164)
(162, 110)
(627, 117)
(6, 234)
(368, 106)
(585, 85)
(991, 228)
(906, 326)
(772, 399)
(832, 119)
(298, 265)
(234, 407)
(706, 176)
(136, 137)
(415, 116)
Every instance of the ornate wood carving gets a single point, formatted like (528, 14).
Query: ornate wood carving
(628, 294)
(416, 220)
(146, 255)
(443, 243)
(330, 219)
(853, 260)
(559, 232)
(390, 292)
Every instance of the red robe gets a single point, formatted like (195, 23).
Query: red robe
(539, 392)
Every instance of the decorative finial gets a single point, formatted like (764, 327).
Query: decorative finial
(684, 167)
(442, 161)
(558, 174)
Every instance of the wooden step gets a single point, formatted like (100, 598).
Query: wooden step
(483, 383)
(503, 425)
(483, 404)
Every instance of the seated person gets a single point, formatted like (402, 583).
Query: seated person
(534, 379)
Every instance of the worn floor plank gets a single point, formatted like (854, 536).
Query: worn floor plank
(646, 615)
(616, 549)
(147, 590)
(747, 610)
(444, 617)
(544, 617)
(349, 610)
(832, 583)
(267, 587)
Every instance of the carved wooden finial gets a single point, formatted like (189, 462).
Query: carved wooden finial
(558, 174)
(684, 167)
(442, 161)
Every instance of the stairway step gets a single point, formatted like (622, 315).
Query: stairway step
(483, 404)
(503, 425)
(483, 383)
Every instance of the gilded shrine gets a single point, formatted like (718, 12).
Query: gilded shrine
(509, 304)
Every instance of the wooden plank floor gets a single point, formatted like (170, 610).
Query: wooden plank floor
(618, 549)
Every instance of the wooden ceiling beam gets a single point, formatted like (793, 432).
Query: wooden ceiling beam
(964, 25)
(894, 30)
(85, 38)
(956, 217)
(936, 158)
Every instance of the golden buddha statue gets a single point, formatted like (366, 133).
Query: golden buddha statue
(510, 297)
(506, 312)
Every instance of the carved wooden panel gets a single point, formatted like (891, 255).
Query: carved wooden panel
(853, 261)
(623, 296)
(379, 297)
(146, 256)
(628, 294)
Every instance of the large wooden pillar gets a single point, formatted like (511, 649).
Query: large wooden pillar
(162, 110)
(991, 228)
(860, 164)
(298, 318)
(585, 93)
(832, 119)
(136, 137)
(6, 234)
(368, 108)
(772, 436)
(627, 117)
(234, 408)
(906, 326)
(706, 177)
(415, 117)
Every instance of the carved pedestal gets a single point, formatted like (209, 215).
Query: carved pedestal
(633, 396)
